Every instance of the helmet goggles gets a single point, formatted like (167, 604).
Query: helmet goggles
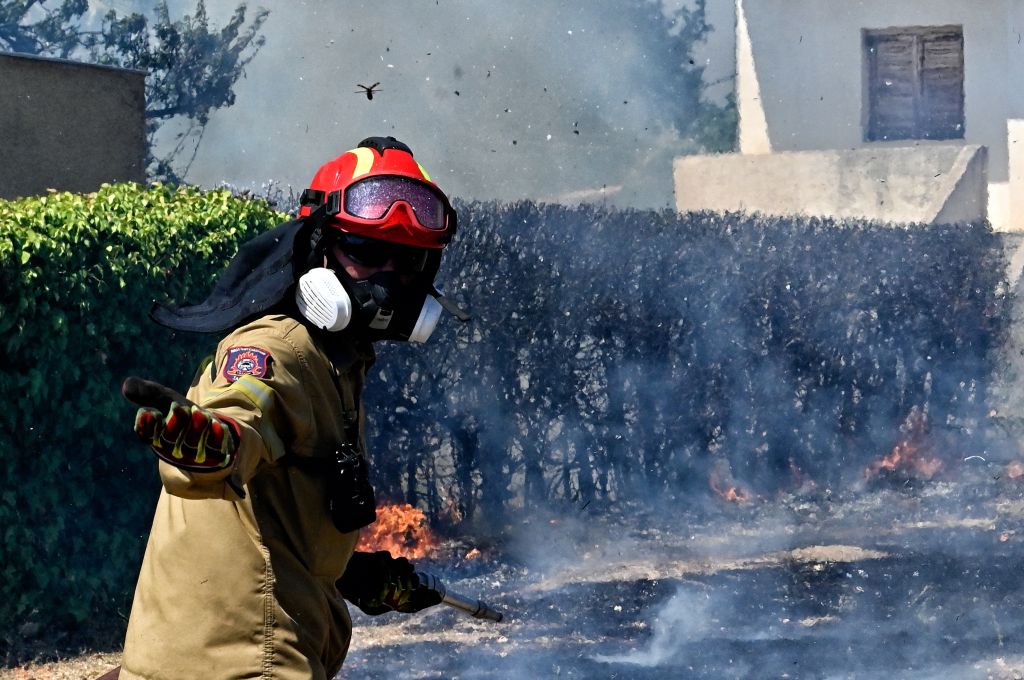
(372, 198)
(379, 191)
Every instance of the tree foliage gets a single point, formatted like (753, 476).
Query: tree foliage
(671, 38)
(192, 67)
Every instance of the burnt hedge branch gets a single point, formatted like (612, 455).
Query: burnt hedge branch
(617, 353)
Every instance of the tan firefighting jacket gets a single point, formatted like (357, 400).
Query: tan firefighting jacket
(245, 588)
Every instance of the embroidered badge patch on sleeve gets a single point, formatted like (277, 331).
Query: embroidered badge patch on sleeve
(241, 361)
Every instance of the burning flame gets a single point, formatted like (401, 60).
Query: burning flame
(400, 529)
(912, 456)
(727, 490)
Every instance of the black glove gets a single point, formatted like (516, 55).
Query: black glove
(378, 583)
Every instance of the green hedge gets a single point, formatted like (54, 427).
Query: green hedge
(78, 274)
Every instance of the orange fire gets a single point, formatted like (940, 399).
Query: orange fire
(906, 458)
(912, 456)
(400, 529)
(726, 490)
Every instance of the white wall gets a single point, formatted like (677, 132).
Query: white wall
(809, 65)
(807, 80)
(941, 184)
(1015, 124)
(1015, 57)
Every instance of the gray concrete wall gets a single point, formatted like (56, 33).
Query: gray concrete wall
(1015, 56)
(941, 183)
(68, 126)
(804, 86)
(809, 61)
(1015, 125)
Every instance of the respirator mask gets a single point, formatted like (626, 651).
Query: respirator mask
(396, 304)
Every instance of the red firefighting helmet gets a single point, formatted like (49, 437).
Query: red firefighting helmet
(378, 190)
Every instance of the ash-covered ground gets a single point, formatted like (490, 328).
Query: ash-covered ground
(900, 579)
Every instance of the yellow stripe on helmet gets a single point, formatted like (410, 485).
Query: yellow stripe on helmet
(425, 175)
(364, 161)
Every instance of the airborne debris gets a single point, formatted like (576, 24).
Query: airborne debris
(368, 90)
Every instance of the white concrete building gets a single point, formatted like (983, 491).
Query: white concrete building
(901, 110)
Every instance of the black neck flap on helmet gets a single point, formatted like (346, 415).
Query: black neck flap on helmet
(259, 277)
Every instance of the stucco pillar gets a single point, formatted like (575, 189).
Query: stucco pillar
(753, 126)
(1015, 143)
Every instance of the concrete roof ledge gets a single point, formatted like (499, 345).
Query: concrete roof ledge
(933, 182)
(954, 196)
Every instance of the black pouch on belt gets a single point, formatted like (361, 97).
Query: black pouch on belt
(351, 499)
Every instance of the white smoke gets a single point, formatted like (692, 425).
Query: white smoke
(682, 619)
(523, 100)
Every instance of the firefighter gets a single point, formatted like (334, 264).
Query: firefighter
(263, 464)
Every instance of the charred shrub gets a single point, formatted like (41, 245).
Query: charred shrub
(623, 354)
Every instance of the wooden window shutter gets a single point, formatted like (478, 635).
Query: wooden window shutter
(942, 86)
(915, 84)
(893, 87)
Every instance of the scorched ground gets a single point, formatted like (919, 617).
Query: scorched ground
(901, 578)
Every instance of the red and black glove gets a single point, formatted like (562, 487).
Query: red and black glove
(378, 583)
(184, 435)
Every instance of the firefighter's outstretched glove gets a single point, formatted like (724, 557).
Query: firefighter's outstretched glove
(184, 435)
(188, 437)
(378, 583)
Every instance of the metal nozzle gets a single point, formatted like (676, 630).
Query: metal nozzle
(476, 608)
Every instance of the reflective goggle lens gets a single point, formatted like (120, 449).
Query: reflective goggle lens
(372, 197)
(375, 253)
